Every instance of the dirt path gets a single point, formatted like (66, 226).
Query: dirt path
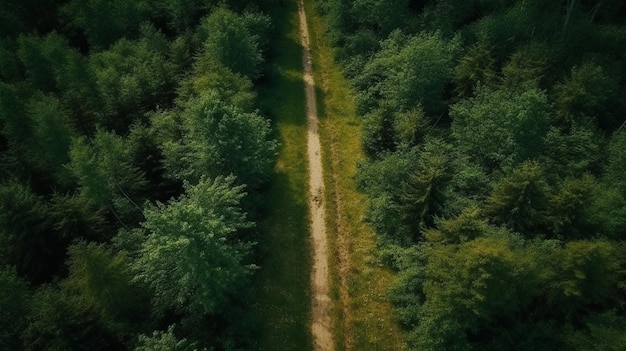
(321, 320)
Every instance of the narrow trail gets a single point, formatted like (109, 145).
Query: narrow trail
(321, 319)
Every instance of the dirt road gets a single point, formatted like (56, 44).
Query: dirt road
(320, 314)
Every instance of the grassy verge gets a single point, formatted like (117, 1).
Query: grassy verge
(283, 306)
(363, 319)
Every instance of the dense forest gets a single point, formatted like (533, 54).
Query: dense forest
(133, 162)
(496, 166)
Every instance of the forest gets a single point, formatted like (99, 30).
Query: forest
(496, 166)
(134, 155)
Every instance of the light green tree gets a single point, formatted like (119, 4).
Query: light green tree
(220, 139)
(192, 259)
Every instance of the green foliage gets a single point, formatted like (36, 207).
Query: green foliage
(73, 218)
(609, 197)
(234, 40)
(101, 281)
(381, 16)
(465, 286)
(106, 177)
(584, 93)
(59, 322)
(43, 59)
(192, 259)
(518, 200)
(14, 299)
(104, 22)
(382, 181)
(163, 341)
(467, 226)
(94, 96)
(475, 69)
(221, 139)
(133, 77)
(27, 239)
(422, 194)
(604, 332)
(214, 79)
(588, 274)
(13, 117)
(392, 74)
(52, 132)
(572, 153)
(499, 129)
(528, 67)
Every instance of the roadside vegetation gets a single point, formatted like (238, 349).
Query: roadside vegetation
(359, 281)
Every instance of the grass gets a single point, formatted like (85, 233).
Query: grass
(284, 300)
(364, 319)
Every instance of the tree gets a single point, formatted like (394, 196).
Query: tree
(163, 341)
(104, 22)
(52, 135)
(585, 92)
(422, 195)
(213, 78)
(568, 208)
(14, 303)
(518, 200)
(380, 16)
(589, 274)
(476, 68)
(43, 59)
(609, 196)
(499, 129)
(392, 74)
(101, 281)
(106, 177)
(192, 259)
(74, 218)
(133, 77)
(382, 181)
(466, 287)
(467, 226)
(218, 140)
(528, 67)
(234, 40)
(572, 153)
(603, 332)
(60, 322)
(27, 239)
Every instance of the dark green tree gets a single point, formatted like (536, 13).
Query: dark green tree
(106, 176)
(422, 194)
(27, 238)
(43, 59)
(104, 22)
(519, 199)
(14, 306)
(499, 129)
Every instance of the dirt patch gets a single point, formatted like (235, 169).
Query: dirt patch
(321, 322)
